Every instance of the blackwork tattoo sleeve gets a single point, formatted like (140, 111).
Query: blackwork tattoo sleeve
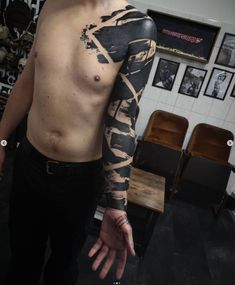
(119, 132)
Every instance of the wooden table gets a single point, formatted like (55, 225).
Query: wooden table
(146, 190)
(145, 202)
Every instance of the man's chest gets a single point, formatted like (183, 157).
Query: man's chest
(83, 47)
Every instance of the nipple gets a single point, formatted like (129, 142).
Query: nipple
(97, 78)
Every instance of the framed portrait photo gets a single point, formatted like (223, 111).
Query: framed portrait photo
(233, 92)
(165, 74)
(226, 54)
(192, 81)
(218, 83)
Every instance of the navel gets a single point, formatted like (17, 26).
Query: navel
(97, 78)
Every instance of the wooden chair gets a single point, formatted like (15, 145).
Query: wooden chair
(206, 170)
(160, 150)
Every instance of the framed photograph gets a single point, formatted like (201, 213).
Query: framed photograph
(184, 37)
(165, 74)
(218, 83)
(226, 54)
(192, 81)
(233, 92)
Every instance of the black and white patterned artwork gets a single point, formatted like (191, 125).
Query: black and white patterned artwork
(218, 83)
(17, 27)
(192, 81)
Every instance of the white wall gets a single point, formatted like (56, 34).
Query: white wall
(220, 10)
(201, 109)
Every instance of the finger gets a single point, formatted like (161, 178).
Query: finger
(95, 247)
(121, 264)
(102, 254)
(108, 263)
(129, 240)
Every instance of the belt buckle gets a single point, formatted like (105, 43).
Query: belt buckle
(48, 165)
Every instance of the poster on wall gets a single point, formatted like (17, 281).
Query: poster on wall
(226, 54)
(218, 83)
(17, 28)
(165, 74)
(184, 37)
(18, 19)
(192, 81)
(5, 90)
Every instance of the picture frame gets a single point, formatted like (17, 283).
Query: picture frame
(226, 53)
(165, 74)
(233, 92)
(218, 83)
(184, 37)
(192, 81)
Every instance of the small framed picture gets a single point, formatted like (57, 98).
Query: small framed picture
(192, 81)
(218, 83)
(226, 54)
(233, 92)
(165, 74)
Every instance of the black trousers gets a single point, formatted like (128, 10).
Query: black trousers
(55, 200)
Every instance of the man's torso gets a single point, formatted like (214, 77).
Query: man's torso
(75, 69)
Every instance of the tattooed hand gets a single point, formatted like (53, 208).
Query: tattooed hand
(115, 241)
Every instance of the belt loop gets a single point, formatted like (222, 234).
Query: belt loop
(49, 163)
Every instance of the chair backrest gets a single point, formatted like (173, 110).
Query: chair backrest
(166, 128)
(210, 142)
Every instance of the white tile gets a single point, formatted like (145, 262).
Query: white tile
(195, 119)
(181, 112)
(168, 97)
(232, 155)
(219, 109)
(154, 94)
(147, 90)
(231, 183)
(146, 107)
(180, 75)
(164, 107)
(214, 122)
(186, 139)
(202, 105)
(229, 126)
(141, 125)
(231, 113)
(184, 102)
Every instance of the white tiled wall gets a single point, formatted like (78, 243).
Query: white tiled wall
(196, 110)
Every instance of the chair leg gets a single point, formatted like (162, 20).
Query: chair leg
(178, 174)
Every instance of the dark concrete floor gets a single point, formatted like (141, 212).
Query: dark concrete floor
(188, 247)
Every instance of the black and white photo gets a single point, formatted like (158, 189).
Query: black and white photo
(192, 81)
(218, 83)
(226, 54)
(165, 74)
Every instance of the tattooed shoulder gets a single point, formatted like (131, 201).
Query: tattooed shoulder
(113, 34)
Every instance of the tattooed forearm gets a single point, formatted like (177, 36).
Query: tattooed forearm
(119, 135)
(126, 36)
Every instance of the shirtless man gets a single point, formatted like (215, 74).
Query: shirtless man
(85, 74)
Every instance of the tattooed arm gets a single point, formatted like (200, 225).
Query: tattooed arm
(119, 134)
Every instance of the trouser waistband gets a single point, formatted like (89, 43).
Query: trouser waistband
(53, 166)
